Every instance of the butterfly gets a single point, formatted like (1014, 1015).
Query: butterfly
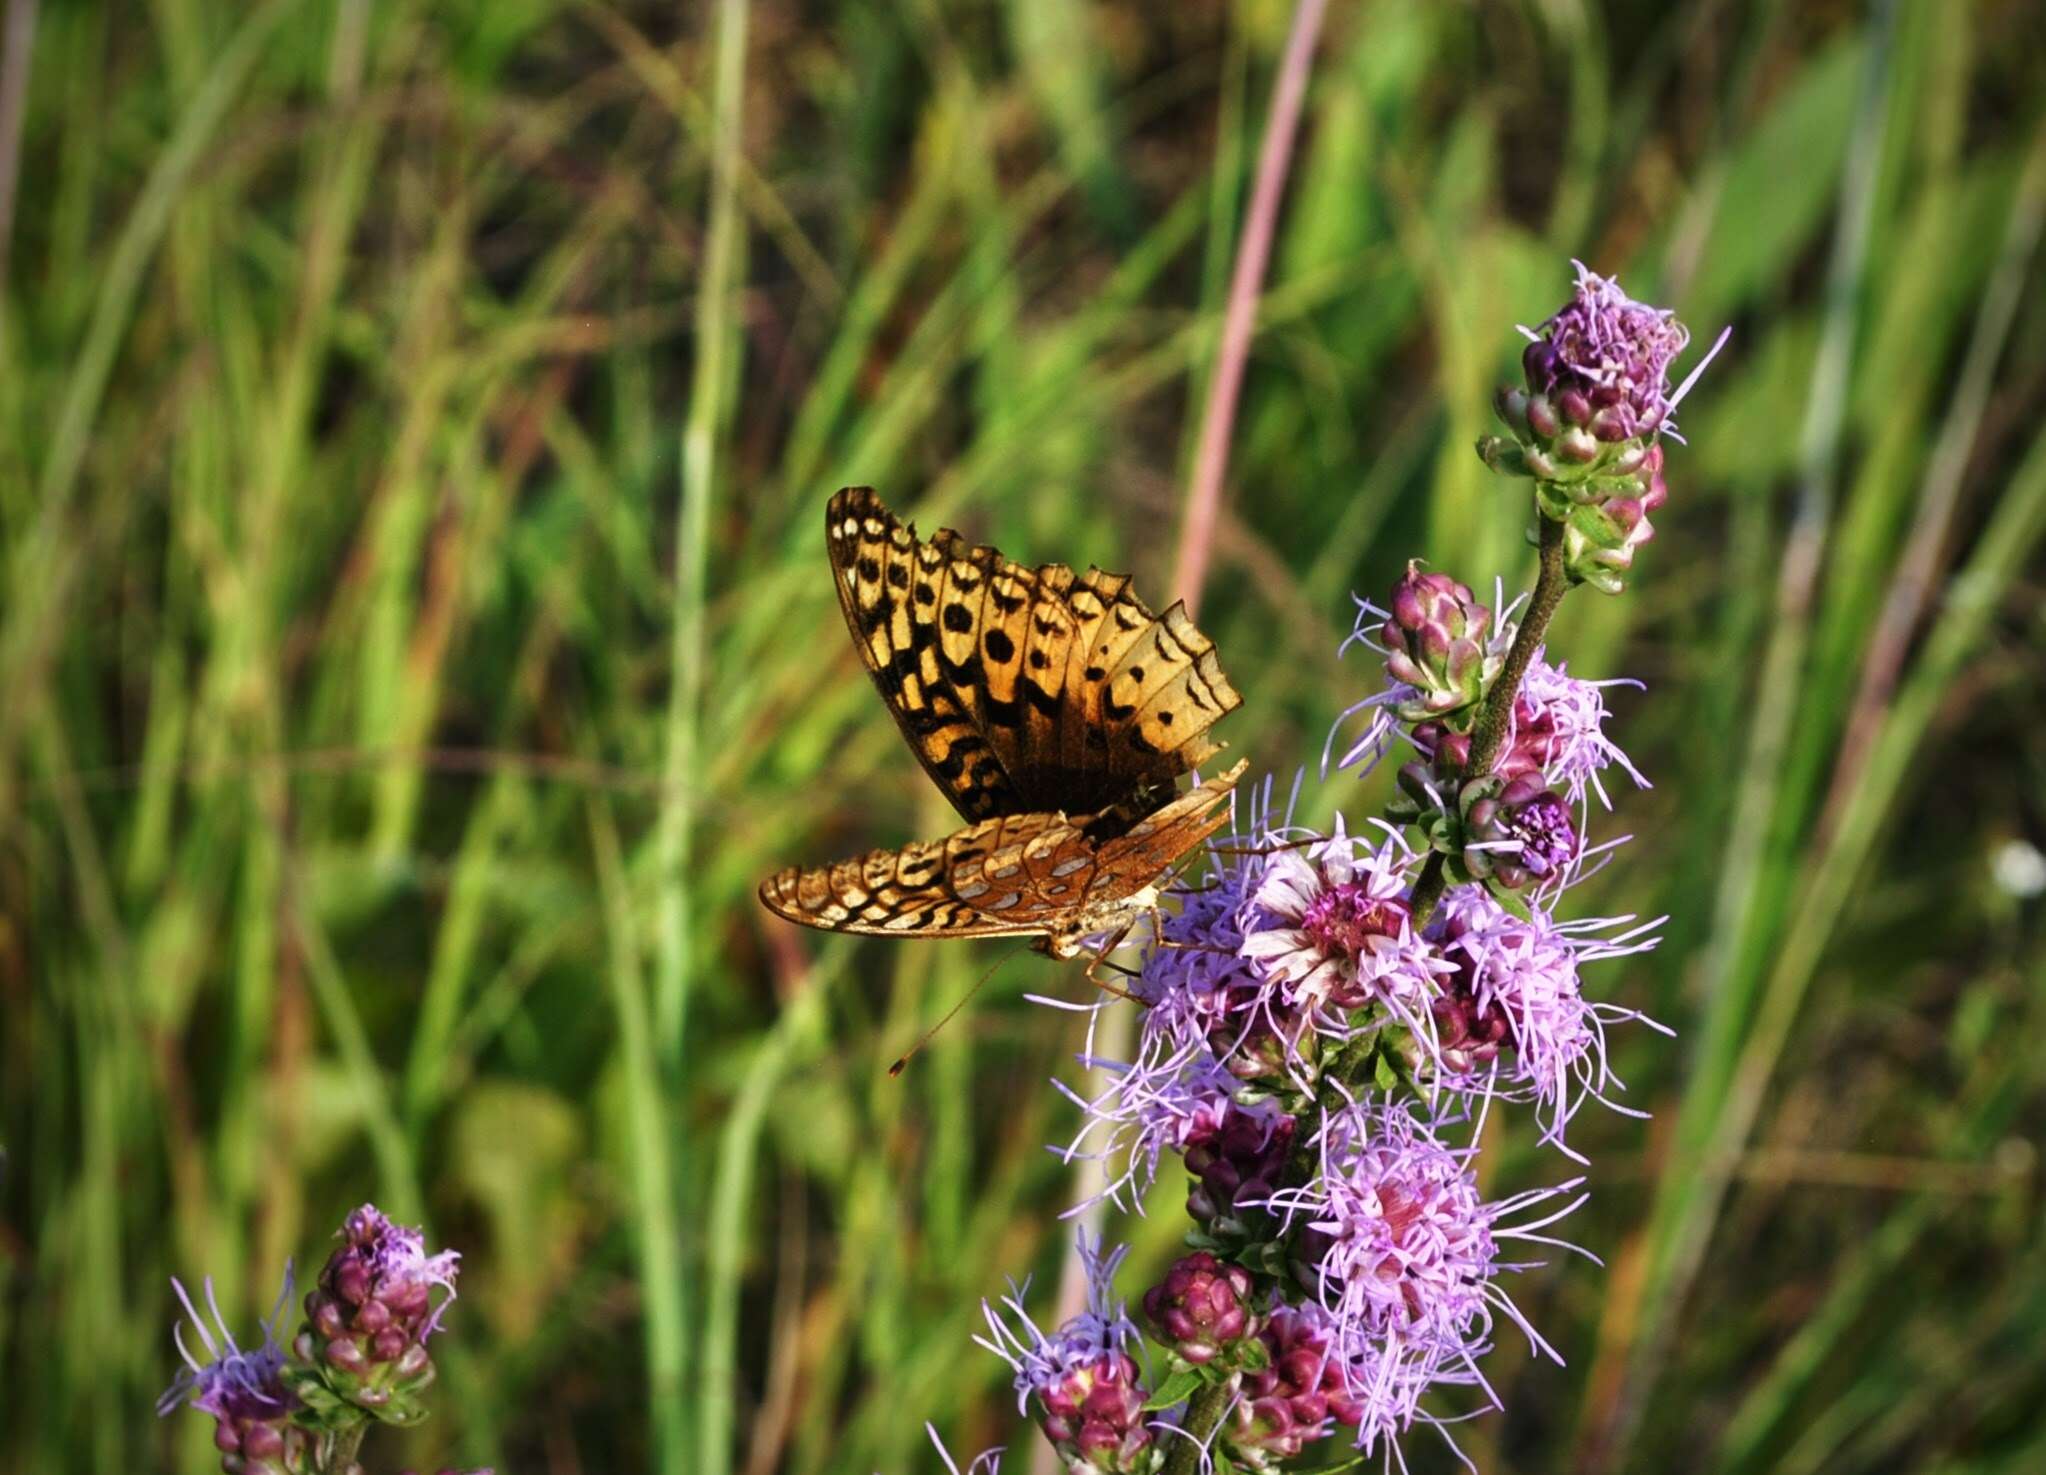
(1054, 710)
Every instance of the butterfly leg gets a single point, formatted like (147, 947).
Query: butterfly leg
(1160, 940)
(1195, 947)
(1100, 960)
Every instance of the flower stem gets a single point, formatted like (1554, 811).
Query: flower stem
(335, 1454)
(1203, 1414)
(1495, 717)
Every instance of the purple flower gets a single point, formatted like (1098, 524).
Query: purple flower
(1404, 1255)
(1398, 701)
(1559, 724)
(1300, 1394)
(1435, 643)
(1213, 1026)
(1337, 932)
(1200, 985)
(244, 1391)
(1518, 831)
(1515, 1012)
(1202, 1311)
(1238, 1156)
(1080, 1384)
(388, 1262)
(1603, 361)
(368, 1318)
(1588, 424)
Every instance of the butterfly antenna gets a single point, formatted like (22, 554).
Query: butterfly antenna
(924, 1039)
(1270, 847)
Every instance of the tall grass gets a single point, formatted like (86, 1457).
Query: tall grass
(416, 642)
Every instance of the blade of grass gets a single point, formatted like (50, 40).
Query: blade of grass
(17, 45)
(730, 1234)
(657, 1233)
(38, 583)
(1939, 495)
(674, 1397)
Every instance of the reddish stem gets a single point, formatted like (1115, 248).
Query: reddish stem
(1239, 318)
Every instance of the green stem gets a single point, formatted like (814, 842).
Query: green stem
(1495, 716)
(336, 1454)
(1203, 1413)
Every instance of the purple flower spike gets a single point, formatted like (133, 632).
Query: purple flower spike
(369, 1317)
(244, 1391)
(1589, 423)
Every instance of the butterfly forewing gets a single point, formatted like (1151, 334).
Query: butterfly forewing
(1022, 690)
(891, 589)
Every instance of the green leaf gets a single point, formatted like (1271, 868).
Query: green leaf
(1512, 901)
(1385, 1073)
(1176, 1389)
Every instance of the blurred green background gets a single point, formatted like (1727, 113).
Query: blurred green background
(414, 426)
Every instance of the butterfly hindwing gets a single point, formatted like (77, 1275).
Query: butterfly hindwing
(1154, 844)
(981, 881)
(1014, 875)
(896, 893)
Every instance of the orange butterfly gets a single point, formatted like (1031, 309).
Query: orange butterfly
(1055, 711)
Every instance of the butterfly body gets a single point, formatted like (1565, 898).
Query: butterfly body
(1054, 710)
